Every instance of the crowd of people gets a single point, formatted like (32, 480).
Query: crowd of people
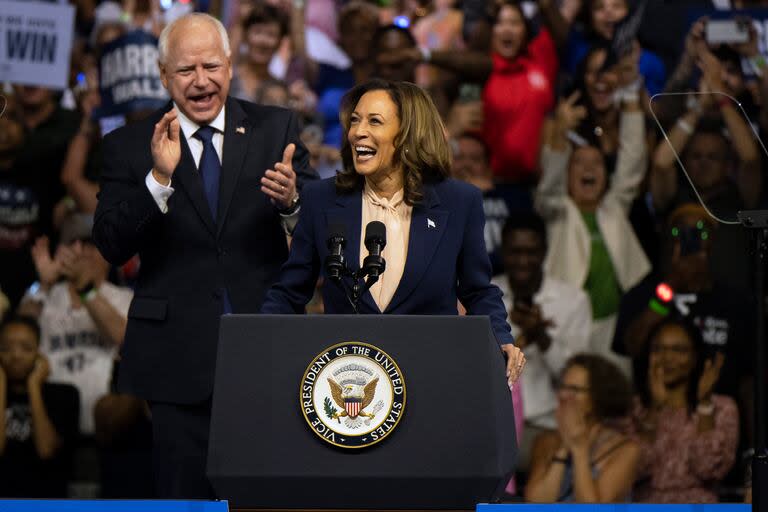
(632, 303)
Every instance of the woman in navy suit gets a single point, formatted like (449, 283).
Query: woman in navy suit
(396, 163)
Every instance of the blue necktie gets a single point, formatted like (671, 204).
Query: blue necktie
(210, 170)
(210, 167)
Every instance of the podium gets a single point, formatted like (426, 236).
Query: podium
(453, 446)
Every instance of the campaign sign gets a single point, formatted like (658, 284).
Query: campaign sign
(35, 43)
(129, 79)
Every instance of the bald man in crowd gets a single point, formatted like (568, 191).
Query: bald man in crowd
(204, 191)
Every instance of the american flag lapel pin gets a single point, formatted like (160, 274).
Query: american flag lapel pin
(431, 223)
(240, 129)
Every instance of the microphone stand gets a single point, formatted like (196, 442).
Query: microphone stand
(756, 223)
(373, 266)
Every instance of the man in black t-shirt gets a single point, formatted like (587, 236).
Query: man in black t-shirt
(687, 288)
(41, 419)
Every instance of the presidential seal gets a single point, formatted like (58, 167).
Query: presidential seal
(352, 395)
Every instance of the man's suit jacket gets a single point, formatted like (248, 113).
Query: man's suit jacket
(188, 260)
(446, 256)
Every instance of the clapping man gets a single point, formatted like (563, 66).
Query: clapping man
(196, 192)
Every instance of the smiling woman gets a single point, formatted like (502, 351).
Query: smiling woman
(396, 162)
(593, 245)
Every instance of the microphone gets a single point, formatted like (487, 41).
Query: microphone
(375, 241)
(334, 262)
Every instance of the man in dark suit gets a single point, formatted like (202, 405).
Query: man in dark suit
(187, 189)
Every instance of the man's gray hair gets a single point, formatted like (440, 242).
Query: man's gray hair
(162, 46)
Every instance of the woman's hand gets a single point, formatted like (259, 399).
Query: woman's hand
(712, 71)
(572, 426)
(515, 363)
(39, 373)
(695, 37)
(48, 269)
(710, 376)
(569, 115)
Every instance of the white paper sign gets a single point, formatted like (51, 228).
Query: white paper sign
(35, 43)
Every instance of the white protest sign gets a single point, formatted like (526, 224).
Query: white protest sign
(35, 43)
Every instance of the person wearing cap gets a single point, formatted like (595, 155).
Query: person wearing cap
(204, 191)
(82, 315)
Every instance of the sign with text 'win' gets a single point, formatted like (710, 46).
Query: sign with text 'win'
(35, 42)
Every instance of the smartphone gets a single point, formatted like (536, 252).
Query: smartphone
(469, 93)
(727, 31)
(690, 240)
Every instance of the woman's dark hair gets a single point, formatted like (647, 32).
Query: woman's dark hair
(263, 14)
(525, 221)
(420, 144)
(494, 9)
(609, 389)
(26, 321)
(586, 128)
(584, 17)
(642, 363)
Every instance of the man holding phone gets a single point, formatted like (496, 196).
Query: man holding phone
(687, 288)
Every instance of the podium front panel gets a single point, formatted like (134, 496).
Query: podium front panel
(453, 447)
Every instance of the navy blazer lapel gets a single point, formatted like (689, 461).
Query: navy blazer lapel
(187, 174)
(238, 133)
(427, 227)
(350, 214)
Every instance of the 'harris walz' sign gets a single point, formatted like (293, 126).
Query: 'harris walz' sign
(35, 43)
(129, 79)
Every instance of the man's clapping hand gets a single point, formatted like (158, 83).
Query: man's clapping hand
(166, 148)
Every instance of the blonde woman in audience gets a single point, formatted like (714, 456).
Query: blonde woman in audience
(586, 460)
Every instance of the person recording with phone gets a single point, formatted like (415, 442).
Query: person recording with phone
(719, 153)
(396, 163)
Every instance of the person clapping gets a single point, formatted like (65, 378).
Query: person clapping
(586, 460)
(688, 434)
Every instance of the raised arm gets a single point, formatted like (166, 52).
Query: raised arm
(552, 190)
(669, 107)
(44, 435)
(127, 210)
(554, 20)
(632, 160)
(741, 134)
(471, 65)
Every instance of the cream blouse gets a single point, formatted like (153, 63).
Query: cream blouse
(395, 214)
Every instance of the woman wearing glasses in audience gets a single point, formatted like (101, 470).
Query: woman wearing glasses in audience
(688, 434)
(586, 460)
